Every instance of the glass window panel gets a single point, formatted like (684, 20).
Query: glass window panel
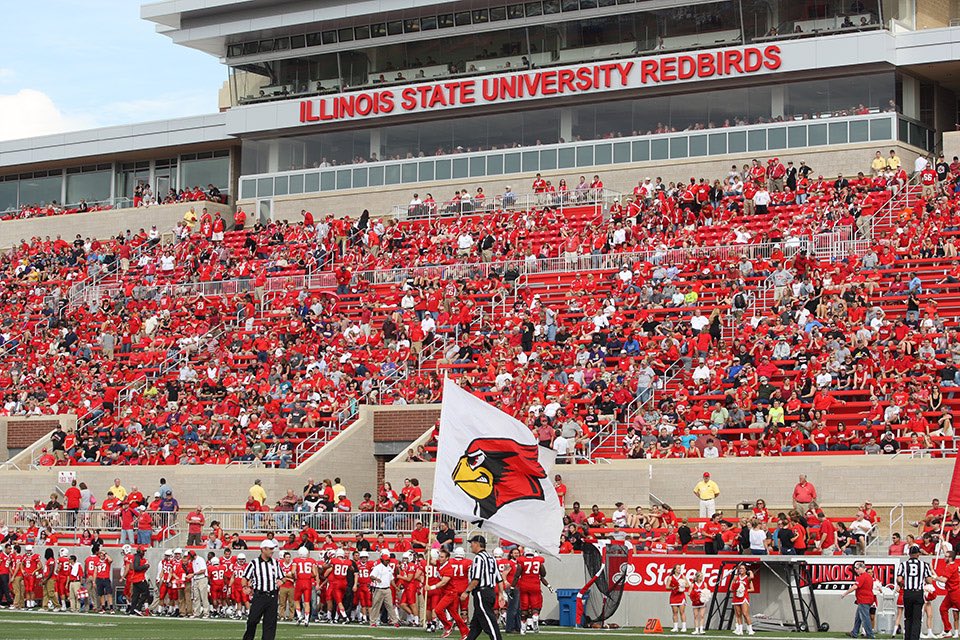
(296, 183)
(215, 171)
(515, 11)
(548, 159)
(531, 161)
(376, 176)
(328, 181)
(678, 147)
(551, 6)
(495, 165)
(264, 187)
(718, 144)
(641, 150)
(585, 156)
(903, 130)
(343, 179)
(311, 182)
(838, 132)
(621, 152)
(461, 168)
(359, 178)
(426, 171)
(566, 158)
(736, 142)
(796, 137)
(462, 18)
(281, 185)
(91, 186)
(391, 175)
(394, 28)
(880, 129)
(777, 138)
(8, 195)
(408, 172)
(498, 13)
(603, 154)
(511, 163)
(248, 189)
(443, 170)
(816, 135)
(659, 149)
(859, 131)
(757, 140)
(478, 167)
(533, 9)
(698, 146)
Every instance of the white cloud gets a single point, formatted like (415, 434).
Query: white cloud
(30, 113)
(6, 74)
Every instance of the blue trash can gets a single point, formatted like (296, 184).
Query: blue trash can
(568, 606)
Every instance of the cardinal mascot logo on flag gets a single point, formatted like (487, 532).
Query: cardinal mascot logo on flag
(491, 473)
(498, 471)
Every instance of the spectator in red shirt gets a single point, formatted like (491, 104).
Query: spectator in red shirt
(804, 495)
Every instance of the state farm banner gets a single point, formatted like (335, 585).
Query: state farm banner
(452, 93)
(648, 572)
(835, 573)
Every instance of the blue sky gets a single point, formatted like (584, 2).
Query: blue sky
(77, 64)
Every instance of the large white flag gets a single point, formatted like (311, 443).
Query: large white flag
(490, 471)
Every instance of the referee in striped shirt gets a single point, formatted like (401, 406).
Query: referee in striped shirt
(262, 580)
(486, 585)
(912, 576)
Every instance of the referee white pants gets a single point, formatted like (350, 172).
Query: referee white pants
(708, 508)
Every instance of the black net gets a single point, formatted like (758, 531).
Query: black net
(606, 578)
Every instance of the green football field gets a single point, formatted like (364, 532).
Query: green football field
(17, 625)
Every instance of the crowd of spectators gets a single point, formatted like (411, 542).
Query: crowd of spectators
(580, 357)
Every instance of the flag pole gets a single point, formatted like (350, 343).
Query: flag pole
(943, 526)
(428, 557)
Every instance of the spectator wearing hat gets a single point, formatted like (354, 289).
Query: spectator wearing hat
(381, 582)
(707, 491)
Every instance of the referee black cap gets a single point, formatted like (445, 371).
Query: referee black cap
(479, 540)
(914, 550)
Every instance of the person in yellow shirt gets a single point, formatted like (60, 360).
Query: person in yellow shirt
(258, 493)
(879, 164)
(338, 487)
(893, 162)
(707, 490)
(118, 491)
(190, 218)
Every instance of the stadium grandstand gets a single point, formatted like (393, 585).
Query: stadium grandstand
(706, 251)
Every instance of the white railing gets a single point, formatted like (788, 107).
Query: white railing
(887, 214)
(507, 202)
(348, 523)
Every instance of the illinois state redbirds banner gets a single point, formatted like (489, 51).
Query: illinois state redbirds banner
(490, 471)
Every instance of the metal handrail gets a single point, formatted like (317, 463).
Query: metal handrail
(504, 203)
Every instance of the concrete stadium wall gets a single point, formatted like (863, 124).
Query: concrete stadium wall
(828, 161)
(104, 224)
(350, 456)
(841, 481)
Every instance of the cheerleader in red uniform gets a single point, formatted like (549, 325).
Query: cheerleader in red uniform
(678, 586)
(740, 586)
(699, 596)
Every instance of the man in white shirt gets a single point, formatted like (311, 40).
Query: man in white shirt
(561, 446)
(761, 200)
(919, 164)
(381, 577)
(619, 516)
(464, 243)
(200, 588)
(699, 321)
(711, 450)
(702, 374)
